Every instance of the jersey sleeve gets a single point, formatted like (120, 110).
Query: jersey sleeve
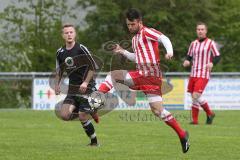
(152, 34)
(91, 62)
(129, 55)
(59, 69)
(214, 49)
(155, 35)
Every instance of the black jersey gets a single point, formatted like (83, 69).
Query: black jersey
(76, 62)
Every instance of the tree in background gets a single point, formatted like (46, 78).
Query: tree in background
(175, 18)
(30, 36)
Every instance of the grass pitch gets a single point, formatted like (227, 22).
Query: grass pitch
(133, 135)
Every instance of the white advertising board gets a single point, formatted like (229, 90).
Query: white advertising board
(44, 97)
(221, 94)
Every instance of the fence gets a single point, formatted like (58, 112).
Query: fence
(32, 75)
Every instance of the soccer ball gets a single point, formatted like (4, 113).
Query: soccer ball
(96, 100)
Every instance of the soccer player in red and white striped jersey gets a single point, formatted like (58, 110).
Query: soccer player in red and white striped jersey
(204, 54)
(147, 76)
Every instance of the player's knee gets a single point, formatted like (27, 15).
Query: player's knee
(156, 107)
(65, 113)
(65, 116)
(83, 116)
(156, 111)
(163, 114)
(117, 75)
(195, 97)
(201, 100)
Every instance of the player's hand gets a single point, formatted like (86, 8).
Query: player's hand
(186, 63)
(57, 89)
(118, 49)
(209, 66)
(83, 87)
(169, 56)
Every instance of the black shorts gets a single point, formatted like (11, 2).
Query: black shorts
(80, 103)
(74, 98)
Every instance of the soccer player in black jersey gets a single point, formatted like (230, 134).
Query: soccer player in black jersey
(75, 59)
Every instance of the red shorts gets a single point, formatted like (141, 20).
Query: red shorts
(197, 84)
(149, 85)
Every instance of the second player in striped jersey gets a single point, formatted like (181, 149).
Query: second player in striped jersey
(203, 54)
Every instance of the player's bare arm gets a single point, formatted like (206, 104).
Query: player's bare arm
(83, 86)
(58, 78)
(57, 87)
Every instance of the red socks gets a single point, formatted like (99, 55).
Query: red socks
(195, 112)
(206, 109)
(174, 124)
(105, 87)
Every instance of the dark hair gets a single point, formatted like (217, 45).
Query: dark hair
(202, 23)
(133, 14)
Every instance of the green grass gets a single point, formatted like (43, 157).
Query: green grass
(39, 135)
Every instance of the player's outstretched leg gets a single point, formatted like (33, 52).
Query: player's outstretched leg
(119, 76)
(113, 79)
(107, 85)
(89, 128)
(183, 135)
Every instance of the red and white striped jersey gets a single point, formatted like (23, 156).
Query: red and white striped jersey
(145, 47)
(202, 53)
